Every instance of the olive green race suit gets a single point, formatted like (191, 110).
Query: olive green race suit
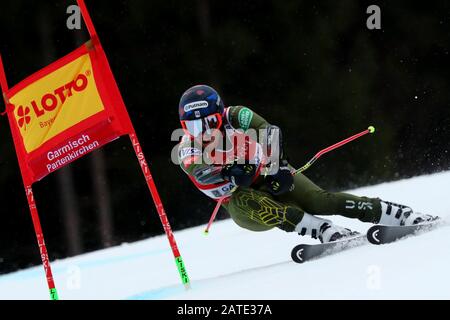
(255, 209)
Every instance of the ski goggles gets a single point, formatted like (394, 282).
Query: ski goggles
(197, 127)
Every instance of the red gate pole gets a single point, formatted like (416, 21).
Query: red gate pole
(145, 169)
(160, 208)
(41, 243)
(31, 203)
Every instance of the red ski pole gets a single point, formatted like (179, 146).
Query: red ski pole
(214, 214)
(216, 210)
(370, 130)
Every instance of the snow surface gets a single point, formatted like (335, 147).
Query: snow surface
(233, 263)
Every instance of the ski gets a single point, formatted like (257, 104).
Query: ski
(380, 234)
(307, 252)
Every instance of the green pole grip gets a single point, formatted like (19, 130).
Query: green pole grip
(183, 273)
(54, 294)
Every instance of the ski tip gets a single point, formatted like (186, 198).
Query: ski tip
(371, 129)
(373, 235)
(297, 254)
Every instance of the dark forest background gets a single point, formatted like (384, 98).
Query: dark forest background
(312, 68)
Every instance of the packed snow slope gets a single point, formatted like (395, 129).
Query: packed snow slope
(232, 263)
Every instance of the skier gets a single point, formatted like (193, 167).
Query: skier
(258, 201)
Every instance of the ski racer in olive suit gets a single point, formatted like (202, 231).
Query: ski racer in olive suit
(257, 196)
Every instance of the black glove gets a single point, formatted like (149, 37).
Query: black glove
(239, 174)
(282, 181)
